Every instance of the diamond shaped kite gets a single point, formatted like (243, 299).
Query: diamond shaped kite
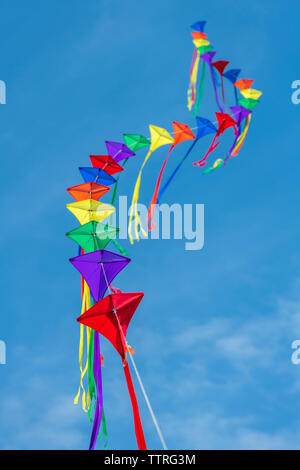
(111, 317)
(198, 35)
(88, 190)
(244, 83)
(198, 43)
(119, 151)
(93, 235)
(106, 163)
(182, 132)
(88, 210)
(248, 103)
(240, 113)
(135, 141)
(205, 127)
(232, 74)
(199, 26)
(208, 56)
(159, 137)
(251, 93)
(96, 175)
(220, 65)
(99, 268)
(224, 122)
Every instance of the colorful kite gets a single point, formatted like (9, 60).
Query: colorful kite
(105, 310)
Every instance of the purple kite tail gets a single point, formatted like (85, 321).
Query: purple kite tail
(99, 402)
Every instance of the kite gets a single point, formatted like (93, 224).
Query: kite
(106, 311)
(98, 269)
(88, 191)
(93, 235)
(89, 209)
(96, 175)
(118, 151)
(110, 317)
(220, 66)
(105, 162)
(224, 122)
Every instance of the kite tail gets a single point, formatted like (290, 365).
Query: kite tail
(223, 91)
(113, 197)
(193, 78)
(91, 378)
(99, 399)
(119, 247)
(85, 398)
(136, 415)
(115, 290)
(164, 187)
(216, 164)
(200, 92)
(153, 202)
(242, 137)
(232, 147)
(236, 96)
(133, 209)
(212, 147)
(190, 89)
(114, 191)
(215, 89)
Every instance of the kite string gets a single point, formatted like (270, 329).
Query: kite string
(136, 372)
(148, 403)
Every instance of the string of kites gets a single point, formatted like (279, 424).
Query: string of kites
(110, 315)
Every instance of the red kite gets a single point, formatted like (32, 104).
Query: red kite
(111, 317)
(220, 66)
(224, 122)
(106, 163)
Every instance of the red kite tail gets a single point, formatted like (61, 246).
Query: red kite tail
(153, 202)
(212, 147)
(115, 290)
(136, 415)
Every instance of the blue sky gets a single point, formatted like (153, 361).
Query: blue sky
(213, 334)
